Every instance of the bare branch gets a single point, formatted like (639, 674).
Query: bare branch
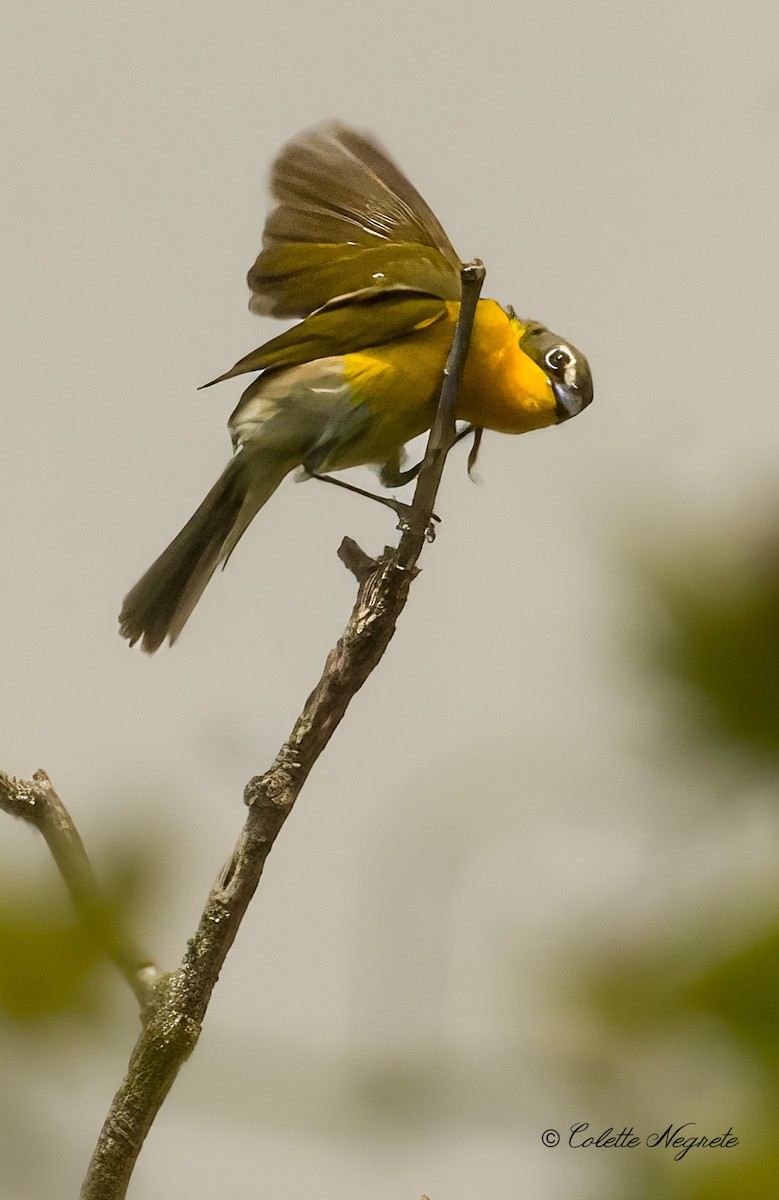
(180, 1000)
(356, 560)
(37, 802)
(443, 433)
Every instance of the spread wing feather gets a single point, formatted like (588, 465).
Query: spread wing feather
(350, 323)
(346, 219)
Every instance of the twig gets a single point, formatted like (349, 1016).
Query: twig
(36, 801)
(443, 432)
(180, 1000)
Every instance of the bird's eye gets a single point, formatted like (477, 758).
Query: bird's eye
(557, 359)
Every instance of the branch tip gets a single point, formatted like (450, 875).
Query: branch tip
(355, 559)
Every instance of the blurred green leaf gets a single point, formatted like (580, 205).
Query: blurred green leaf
(638, 989)
(723, 644)
(741, 1176)
(48, 961)
(743, 991)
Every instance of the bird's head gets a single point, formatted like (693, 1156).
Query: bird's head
(565, 367)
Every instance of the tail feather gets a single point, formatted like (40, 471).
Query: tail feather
(163, 599)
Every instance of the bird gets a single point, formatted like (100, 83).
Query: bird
(352, 250)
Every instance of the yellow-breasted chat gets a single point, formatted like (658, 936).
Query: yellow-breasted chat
(351, 248)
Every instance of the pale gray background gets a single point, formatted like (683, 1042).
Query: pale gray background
(614, 164)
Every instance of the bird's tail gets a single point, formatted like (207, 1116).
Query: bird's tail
(162, 599)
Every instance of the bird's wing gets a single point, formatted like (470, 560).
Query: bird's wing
(346, 218)
(354, 322)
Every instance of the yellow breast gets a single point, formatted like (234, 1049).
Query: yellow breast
(502, 388)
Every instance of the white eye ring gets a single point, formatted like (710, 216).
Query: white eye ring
(558, 359)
